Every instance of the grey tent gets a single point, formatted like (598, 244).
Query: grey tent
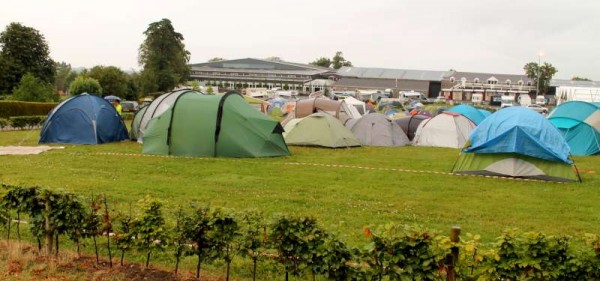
(375, 129)
(410, 124)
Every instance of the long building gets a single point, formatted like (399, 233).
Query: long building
(260, 73)
(427, 82)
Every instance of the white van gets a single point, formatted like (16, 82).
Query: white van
(524, 100)
(477, 98)
(507, 100)
(406, 96)
(540, 100)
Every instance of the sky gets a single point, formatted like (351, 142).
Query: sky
(466, 35)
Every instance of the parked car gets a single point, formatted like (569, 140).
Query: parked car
(130, 106)
(538, 108)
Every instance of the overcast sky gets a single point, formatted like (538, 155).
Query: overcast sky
(466, 35)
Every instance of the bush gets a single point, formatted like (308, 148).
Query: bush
(22, 122)
(16, 108)
(84, 84)
(4, 123)
(32, 88)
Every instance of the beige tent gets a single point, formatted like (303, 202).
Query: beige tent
(447, 129)
(335, 108)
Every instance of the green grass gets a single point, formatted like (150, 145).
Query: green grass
(343, 199)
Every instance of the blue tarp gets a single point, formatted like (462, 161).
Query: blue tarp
(576, 121)
(519, 130)
(83, 119)
(470, 112)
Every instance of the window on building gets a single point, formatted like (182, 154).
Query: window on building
(452, 79)
(520, 82)
(476, 80)
(529, 83)
(507, 82)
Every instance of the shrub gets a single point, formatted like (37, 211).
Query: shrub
(4, 123)
(18, 108)
(29, 122)
(84, 84)
(32, 88)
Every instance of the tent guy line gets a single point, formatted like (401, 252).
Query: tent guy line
(330, 166)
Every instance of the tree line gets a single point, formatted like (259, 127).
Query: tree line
(28, 73)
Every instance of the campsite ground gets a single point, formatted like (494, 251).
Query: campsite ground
(346, 189)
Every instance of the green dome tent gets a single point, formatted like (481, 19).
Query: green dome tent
(213, 125)
(319, 129)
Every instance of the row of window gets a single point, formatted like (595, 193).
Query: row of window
(491, 81)
(249, 74)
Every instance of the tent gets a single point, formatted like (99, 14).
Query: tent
(213, 126)
(83, 119)
(135, 123)
(319, 129)
(470, 112)
(336, 108)
(448, 129)
(375, 129)
(157, 107)
(485, 112)
(410, 124)
(579, 123)
(517, 142)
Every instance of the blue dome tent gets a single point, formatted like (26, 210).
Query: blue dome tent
(579, 122)
(517, 142)
(83, 119)
(474, 114)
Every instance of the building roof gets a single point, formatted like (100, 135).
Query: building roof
(573, 83)
(366, 83)
(470, 76)
(387, 73)
(260, 64)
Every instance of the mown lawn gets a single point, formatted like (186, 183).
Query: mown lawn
(344, 199)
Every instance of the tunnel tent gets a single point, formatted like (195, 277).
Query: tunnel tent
(517, 142)
(213, 126)
(156, 108)
(83, 119)
(409, 124)
(579, 123)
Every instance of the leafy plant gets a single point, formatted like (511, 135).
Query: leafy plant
(147, 231)
(254, 237)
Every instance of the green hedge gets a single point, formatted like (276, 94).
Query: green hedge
(20, 108)
(4, 123)
(29, 122)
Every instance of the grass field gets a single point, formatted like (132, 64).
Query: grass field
(344, 199)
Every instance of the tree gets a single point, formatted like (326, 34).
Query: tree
(274, 59)
(163, 57)
(544, 72)
(577, 78)
(34, 89)
(23, 50)
(112, 80)
(83, 84)
(322, 61)
(215, 59)
(338, 60)
(64, 76)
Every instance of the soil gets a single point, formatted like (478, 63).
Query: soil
(28, 265)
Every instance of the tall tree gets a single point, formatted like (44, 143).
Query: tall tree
(83, 84)
(540, 74)
(338, 60)
(163, 57)
(23, 50)
(112, 80)
(215, 59)
(322, 61)
(64, 76)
